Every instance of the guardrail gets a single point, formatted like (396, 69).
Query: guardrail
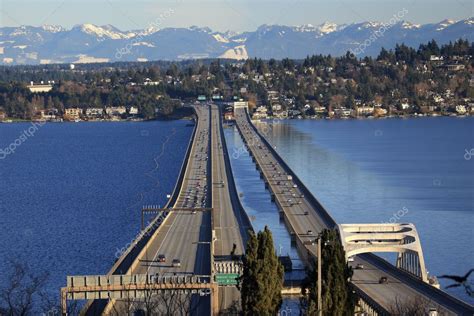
(440, 297)
(122, 265)
(323, 214)
(367, 304)
(244, 222)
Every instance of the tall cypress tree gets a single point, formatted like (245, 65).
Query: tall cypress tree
(262, 278)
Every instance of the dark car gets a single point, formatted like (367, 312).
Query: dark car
(161, 258)
(176, 263)
(383, 280)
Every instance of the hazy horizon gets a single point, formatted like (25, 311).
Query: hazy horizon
(226, 15)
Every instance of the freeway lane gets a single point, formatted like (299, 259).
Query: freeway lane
(185, 235)
(225, 215)
(306, 222)
(225, 222)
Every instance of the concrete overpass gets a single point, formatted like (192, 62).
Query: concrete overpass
(305, 217)
(400, 238)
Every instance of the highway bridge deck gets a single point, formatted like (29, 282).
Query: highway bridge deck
(305, 218)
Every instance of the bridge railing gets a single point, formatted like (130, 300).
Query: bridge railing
(367, 304)
(244, 221)
(322, 213)
(440, 297)
(123, 264)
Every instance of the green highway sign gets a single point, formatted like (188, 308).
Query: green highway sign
(227, 278)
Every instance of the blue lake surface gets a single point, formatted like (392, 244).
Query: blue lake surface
(71, 195)
(370, 170)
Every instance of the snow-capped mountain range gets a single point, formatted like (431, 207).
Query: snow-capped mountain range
(92, 43)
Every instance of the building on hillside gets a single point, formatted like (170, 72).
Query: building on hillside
(342, 112)
(149, 82)
(48, 114)
(73, 113)
(405, 105)
(454, 67)
(133, 110)
(320, 109)
(260, 113)
(94, 112)
(40, 88)
(115, 110)
(364, 110)
(276, 107)
(461, 109)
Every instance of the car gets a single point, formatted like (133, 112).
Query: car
(193, 212)
(205, 292)
(350, 259)
(306, 213)
(176, 263)
(383, 280)
(310, 232)
(359, 266)
(161, 258)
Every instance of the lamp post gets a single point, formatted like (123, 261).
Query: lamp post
(320, 301)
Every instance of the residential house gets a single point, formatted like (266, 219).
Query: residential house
(260, 113)
(94, 112)
(72, 113)
(133, 110)
(49, 114)
(364, 110)
(461, 109)
(342, 112)
(115, 110)
(149, 82)
(276, 107)
(40, 88)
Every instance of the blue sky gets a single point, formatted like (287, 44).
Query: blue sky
(222, 15)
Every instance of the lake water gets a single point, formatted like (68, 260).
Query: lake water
(71, 194)
(393, 170)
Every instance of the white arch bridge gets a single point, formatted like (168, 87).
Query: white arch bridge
(400, 238)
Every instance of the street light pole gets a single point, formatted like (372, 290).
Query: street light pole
(320, 301)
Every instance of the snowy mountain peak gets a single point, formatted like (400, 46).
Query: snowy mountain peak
(328, 27)
(102, 31)
(93, 43)
(409, 26)
(444, 24)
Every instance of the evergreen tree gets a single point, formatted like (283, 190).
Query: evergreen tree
(336, 294)
(262, 278)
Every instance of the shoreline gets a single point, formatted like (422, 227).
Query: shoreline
(190, 118)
